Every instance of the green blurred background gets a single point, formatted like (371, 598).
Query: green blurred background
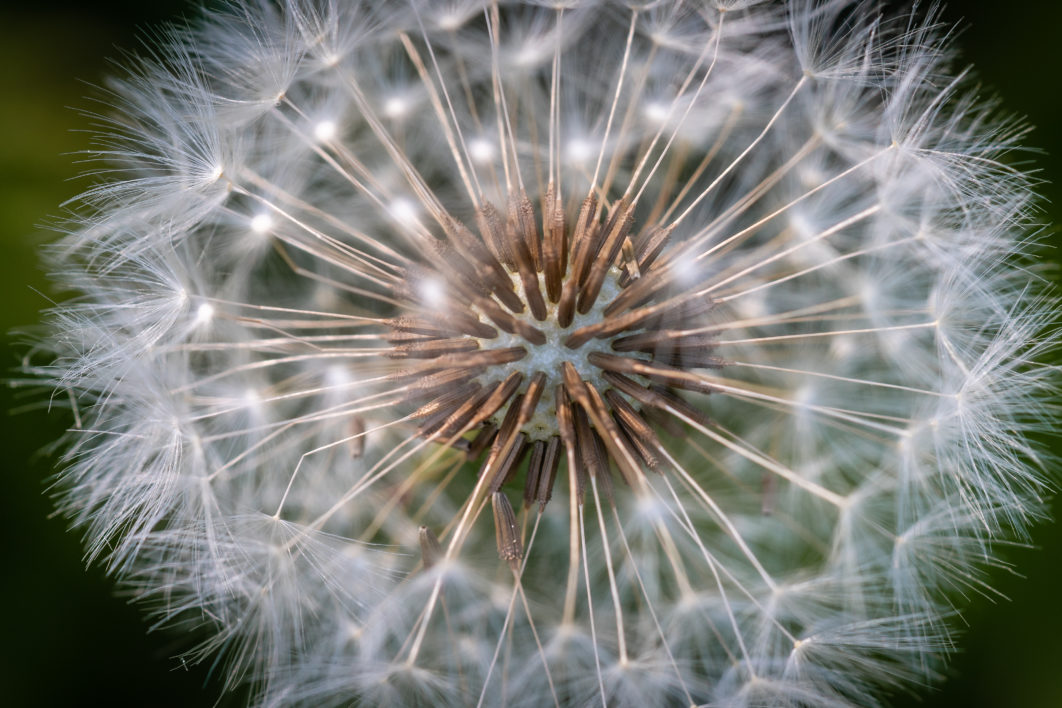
(69, 640)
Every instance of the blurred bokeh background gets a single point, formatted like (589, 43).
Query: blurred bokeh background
(69, 640)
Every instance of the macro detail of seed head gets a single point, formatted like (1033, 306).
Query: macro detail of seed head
(520, 359)
(573, 353)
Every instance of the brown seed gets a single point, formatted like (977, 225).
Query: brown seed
(615, 232)
(554, 246)
(506, 533)
(432, 348)
(534, 470)
(548, 476)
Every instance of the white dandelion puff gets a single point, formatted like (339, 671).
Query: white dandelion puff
(554, 353)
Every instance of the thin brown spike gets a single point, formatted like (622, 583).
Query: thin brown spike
(678, 378)
(767, 487)
(673, 348)
(532, 396)
(505, 293)
(469, 324)
(530, 333)
(607, 327)
(584, 395)
(450, 370)
(426, 381)
(523, 241)
(449, 325)
(434, 415)
(445, 420)
(398, 338)
(533, 293)
(637, 292)
(583, 239)
(604, 475)
(652, 244)
(573, 384)
(481, 357)
(446, 252)
(492, 228)
(566, 306)
(612, 437)
(529, 280)
(468, 245)
(675, 312)
(509, 297)
(462, 417)
(509, 323)
(593, 457)
(615, 233)
(656, 340)
(663, 420)
(508, 469)
(522, 221)
(646, 251)
(534, 470)
(509, 426)
(644, 452)
(689, 358)
(432, 348)
(505, 456)
(554, 248)
(638, 431)
(566, 426)
(402, 328)
(507, 535)
(548, 475)
(678, 406)
(405, 288)
(469, 280)
(628, 263)
(498, 397)
(508, 441)
(485, 265)
(633, 389)
(656, 398)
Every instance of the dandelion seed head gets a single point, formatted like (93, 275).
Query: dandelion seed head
(555, 353)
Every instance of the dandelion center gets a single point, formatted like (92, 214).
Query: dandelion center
(535, 344)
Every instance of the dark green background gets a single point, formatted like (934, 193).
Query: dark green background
(67, 640)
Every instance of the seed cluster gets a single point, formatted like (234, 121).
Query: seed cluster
(611, 381)
(357, 276)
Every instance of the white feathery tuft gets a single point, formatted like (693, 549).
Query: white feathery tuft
(753, 281)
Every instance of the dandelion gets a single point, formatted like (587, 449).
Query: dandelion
(561, 353)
